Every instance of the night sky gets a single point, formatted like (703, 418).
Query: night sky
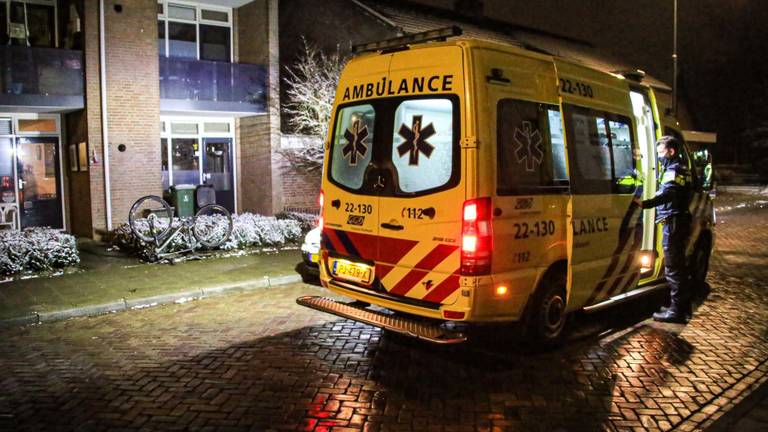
(722, 54)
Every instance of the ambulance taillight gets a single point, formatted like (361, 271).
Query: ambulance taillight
(476, 237)
(321, 201)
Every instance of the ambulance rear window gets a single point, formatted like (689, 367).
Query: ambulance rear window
(422, 150)
(414, 152)
(352, 145)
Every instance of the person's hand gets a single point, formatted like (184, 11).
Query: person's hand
(637, 201)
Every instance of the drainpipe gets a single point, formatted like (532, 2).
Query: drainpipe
(104, 122)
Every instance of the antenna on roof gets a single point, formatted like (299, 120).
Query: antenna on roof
(404, 41)
(635, 75)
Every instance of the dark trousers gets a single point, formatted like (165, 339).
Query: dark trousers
(676, 230)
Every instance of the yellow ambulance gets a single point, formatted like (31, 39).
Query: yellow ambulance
(473, 182)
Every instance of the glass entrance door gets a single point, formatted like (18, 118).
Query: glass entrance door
(38, 182)
(217, 170)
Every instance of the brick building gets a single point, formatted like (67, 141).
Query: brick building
(183, 92)
(178, 90)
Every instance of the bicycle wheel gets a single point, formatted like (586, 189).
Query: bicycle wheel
(150, 218)
(212, 225)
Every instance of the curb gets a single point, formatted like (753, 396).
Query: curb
(125, 305)
(744, 189)
(721, 412)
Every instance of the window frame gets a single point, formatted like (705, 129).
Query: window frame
(7, 5)
(167, 133)
(165, 19)
(554, 188)
(382, 146)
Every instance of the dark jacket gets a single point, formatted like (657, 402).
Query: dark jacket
(674, 194)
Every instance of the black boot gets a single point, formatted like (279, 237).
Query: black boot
(670, 316)
(688, 314)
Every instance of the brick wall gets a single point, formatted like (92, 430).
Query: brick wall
(300, 186)
(91, 123)
(258, 136)
(254, 170)
(133, 100)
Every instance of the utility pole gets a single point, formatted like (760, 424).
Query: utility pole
(674, 61)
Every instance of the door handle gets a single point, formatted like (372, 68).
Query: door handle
(21, 184)
(393, 227)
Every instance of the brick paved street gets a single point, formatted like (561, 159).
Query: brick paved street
(257, 361)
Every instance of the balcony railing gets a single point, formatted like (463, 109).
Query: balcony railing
(43, 79)
(199, 85)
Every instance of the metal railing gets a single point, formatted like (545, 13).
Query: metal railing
(209, 81)
(40, 72)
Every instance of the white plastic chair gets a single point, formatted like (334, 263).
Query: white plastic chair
(9, 216)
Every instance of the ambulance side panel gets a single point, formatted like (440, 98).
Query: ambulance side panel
(521, 165)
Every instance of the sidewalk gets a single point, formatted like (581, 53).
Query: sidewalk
(750, 415)
(110, 281)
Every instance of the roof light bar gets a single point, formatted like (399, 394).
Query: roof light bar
(403, 41)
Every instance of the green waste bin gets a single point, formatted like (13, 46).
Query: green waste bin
(183, 199)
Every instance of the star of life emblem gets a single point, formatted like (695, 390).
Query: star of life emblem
(415, 140)
(528, 150)
(355, 137)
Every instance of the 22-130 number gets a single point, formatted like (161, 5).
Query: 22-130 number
(576, 88)
(537, 229)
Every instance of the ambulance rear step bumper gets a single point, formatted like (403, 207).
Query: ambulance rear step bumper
(408, 326)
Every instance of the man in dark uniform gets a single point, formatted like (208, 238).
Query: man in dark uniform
(672, 200)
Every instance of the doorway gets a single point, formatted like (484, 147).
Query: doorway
(30, 174)
(217, 169)
(200, 152)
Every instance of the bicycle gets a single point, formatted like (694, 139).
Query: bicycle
(151, 220)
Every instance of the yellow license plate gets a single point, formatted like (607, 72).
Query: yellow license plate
(352, 271)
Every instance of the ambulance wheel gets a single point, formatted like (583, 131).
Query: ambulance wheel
(547, 316)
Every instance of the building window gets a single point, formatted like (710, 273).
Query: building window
(194, 32)
(28, 23)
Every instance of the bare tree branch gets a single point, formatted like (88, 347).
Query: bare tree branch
(311, 87)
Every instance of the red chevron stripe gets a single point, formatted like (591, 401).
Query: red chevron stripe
(433, 258)
(335, 242)
(392, 250)
(364, 243)
(382, 270)
(408, 282)
(445, 289)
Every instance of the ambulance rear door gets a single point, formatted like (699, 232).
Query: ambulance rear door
(422, 190)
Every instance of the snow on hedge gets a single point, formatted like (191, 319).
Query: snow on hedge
(249, 231)
(35, 250)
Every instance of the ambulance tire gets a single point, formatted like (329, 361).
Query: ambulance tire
(547, 317)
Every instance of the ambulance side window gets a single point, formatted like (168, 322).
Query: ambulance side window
(351, 149)
(530, 149)
(601, 151)
(624, 173)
